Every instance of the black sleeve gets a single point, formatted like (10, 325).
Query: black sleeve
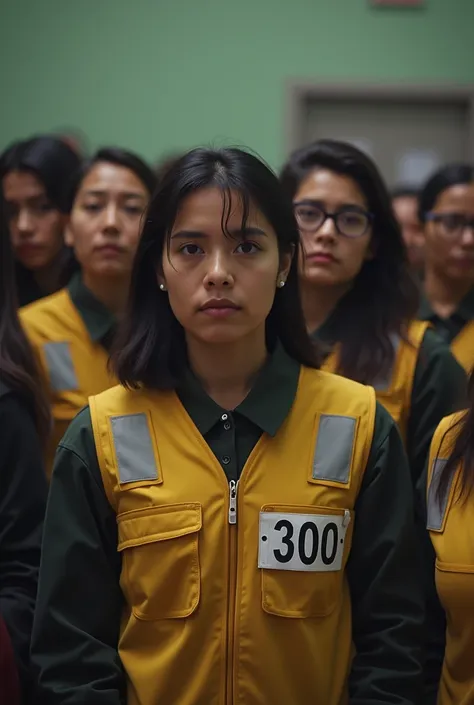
(79, 607)
(439, 389)
(435, 627)
(23, 491)
(384, 579)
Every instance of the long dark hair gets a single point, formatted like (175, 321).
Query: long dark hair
(18, 369)
(384, 297)
(440, 181)
(462, 452)
(150, 348)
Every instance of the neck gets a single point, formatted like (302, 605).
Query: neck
(47, 278)
(227, 371)
(319, 302)
(111, 291)
(443, 293)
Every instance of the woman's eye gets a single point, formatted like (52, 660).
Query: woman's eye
(91, 207)
(190, 249)
(134, 210)
(247, 248)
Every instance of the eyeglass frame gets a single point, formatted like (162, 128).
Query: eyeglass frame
(333, 216)
(437, 219)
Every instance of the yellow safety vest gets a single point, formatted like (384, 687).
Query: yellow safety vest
(73, 366)
(463, 347)
(451, 527)
(203, 624)
(394, 391)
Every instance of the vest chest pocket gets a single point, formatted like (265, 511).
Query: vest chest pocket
(455, 586)
(302, 556)
(160, 568)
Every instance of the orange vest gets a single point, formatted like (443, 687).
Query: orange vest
(394, 392)
(207, 619)
(73, 366)
(463, 347)
(451, 527)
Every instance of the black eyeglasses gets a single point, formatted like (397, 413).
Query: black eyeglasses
(349, 221)
(451, 225)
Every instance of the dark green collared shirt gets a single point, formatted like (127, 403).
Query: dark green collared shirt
(448, 328)
(439, 388)
(98, 320)
(79, 606)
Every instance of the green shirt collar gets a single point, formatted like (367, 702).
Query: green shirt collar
(98, 320)
(267, 404)
(465, 310)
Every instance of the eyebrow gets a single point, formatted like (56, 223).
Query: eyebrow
(125, 194)
(234, 232)
(314, 202)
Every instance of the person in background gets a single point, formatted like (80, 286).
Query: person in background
(359, 296)
(24, 419)
(447, 211)
(405, 203)
(35, 175)
(71, 331)
(240, 575)
(449, 672)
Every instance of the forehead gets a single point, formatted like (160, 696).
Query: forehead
(459, 197)
(112, 177)
(206, 209)
(22, 185)
(406, 205)
(331, 188)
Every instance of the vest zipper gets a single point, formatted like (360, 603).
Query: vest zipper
(233, 502)
(233, 487)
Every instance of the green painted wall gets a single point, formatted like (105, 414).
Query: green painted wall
(159, 75)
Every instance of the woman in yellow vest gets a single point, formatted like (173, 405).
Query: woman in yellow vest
(450, 662)
(227, 525)
(447, 209)
(359, 297)
(71, 330)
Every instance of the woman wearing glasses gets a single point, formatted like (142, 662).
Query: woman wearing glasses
(359, 298)
(447, 209)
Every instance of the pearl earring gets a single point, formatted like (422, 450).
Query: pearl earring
(162, 287)
(281, 284)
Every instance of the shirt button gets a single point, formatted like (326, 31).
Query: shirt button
(226, 459)
(227, 426)
(224, 417)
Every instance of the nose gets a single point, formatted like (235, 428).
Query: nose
(468, 234)
(218, 272)
(327, 230)
(24, 221)
(111, 221)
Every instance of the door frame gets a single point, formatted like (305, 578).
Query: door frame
(300, 92)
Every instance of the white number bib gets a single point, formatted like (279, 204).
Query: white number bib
(302, 542)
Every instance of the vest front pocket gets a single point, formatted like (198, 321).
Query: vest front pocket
(160, 567)
(296, 588)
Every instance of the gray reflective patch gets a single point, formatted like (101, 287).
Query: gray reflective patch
(133, 448)
(333, 452)
(437, 506)
(61, 371)
(384, 382)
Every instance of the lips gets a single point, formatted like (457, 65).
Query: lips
(219, 308)
(109, 250)
(321, 257)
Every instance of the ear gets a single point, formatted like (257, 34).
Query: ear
(160, 278)
(285, 264)
(68, 236)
